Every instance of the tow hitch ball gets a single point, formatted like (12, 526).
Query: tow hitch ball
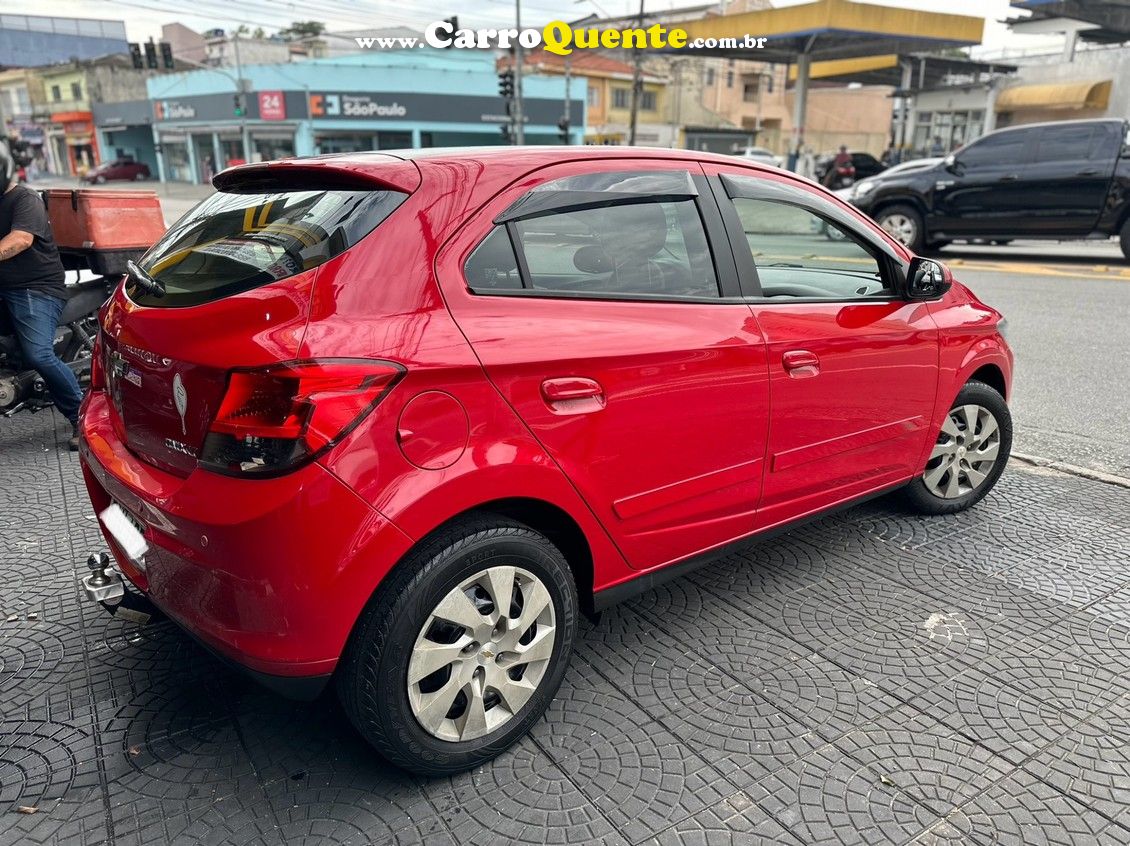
(106, 587)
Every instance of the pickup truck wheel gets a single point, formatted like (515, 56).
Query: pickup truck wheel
(970, 454)
(1124, 238)
(904, 224)
(462, 648)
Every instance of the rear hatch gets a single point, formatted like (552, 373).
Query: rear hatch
(237, 273)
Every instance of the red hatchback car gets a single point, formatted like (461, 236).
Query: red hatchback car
(118, 169)
(396, 419)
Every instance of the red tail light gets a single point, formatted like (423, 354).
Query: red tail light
(275, 419)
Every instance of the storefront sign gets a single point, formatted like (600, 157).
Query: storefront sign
(272, 106)
(411, 106)
(173, 110)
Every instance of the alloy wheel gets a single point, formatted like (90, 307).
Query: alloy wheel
(481, 654)
(965, 452)
(901, 228)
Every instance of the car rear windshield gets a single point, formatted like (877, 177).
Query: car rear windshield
(233, 242)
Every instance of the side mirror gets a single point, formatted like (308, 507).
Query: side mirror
(927, 279)
(951, 164)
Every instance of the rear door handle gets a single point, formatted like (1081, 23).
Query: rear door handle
(568, 394)
(1091, 171)
(1008, 177)
(801, 364)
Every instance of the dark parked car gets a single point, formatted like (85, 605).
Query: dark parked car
(865, 165)
(121, 169)
(1064, 180)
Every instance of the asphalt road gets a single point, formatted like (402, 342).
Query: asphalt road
(1068, 309)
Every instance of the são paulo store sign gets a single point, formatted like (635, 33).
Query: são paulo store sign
(326, 105)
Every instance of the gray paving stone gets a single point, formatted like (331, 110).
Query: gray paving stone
(1023, 810)
(830, 798)
(924, 758)
(871, 677)
(1092, 763)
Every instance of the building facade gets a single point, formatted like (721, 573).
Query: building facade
(31, 41)
(189, 129)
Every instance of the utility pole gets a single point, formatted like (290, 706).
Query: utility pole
(241, 93)
(637, 84)
(568, 80)
(519, 120)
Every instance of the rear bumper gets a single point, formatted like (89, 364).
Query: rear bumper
(270, 574)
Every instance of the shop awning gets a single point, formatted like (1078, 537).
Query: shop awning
(1055, 95)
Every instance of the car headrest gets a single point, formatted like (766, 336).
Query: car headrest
(592, 259)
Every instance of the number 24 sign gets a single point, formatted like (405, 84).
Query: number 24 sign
(272, 106)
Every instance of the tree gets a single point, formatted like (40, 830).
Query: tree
(302, 29)
(259, 33)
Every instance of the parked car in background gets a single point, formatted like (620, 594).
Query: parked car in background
(865, 186)
(118, 169)
(448, 400)
(865, 165)
(1064, 180)
(761, 155)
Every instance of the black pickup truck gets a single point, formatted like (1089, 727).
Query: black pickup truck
(1061, 181)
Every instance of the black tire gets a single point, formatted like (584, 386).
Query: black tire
(1124, 239)
(918, 495)
(372, 678)
(914, 241)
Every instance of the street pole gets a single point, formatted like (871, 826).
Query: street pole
(568, 80)
(240, 88)
(519, 121)
(637, 84)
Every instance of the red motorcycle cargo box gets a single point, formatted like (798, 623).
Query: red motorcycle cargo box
(104, 228)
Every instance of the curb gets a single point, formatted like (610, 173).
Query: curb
(1073, 470)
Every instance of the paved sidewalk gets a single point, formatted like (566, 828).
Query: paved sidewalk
(873, 678)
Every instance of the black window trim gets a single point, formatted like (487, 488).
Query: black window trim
(721, 251)
(727, 189)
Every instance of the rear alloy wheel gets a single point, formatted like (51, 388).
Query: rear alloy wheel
(904, 224)
(969, 455)
(462, 648)
(1124, 239)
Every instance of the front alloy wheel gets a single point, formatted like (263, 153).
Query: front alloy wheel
(965, 453)
(481, 654)
(972, 449)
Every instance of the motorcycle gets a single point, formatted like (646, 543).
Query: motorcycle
(22, 389)
(843, 176)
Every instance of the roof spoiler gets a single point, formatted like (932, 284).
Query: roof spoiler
(375, 173)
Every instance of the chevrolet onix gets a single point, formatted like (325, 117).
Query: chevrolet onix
(393, 421)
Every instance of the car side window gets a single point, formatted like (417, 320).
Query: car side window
(652, 247)
(1001, 149)
(492, 266)
(800, 254)
(1059, 143)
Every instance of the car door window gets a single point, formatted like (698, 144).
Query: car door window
(1001, 149)
(1069, 143)
(649, 248)
(799, 254)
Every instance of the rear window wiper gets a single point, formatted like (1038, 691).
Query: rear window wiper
(145, 281)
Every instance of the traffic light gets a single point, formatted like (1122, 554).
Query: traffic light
(135, 56)
(563, 130)
(454, 21)
(151, 55)
(506, 84)
(239, 109)
(167, 55)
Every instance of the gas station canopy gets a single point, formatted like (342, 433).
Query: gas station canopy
(829, 30)
(836, 29)
(927, 71)
(1109, 20)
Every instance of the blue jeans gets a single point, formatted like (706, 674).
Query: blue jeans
(35, 316)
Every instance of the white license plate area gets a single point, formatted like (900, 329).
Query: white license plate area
(127, 531)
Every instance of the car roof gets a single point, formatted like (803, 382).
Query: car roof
(382, 166)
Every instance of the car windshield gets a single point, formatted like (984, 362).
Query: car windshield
(232, 243)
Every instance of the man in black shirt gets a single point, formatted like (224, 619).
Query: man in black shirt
(31, 285)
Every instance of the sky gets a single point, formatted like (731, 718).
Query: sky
(144, 17)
